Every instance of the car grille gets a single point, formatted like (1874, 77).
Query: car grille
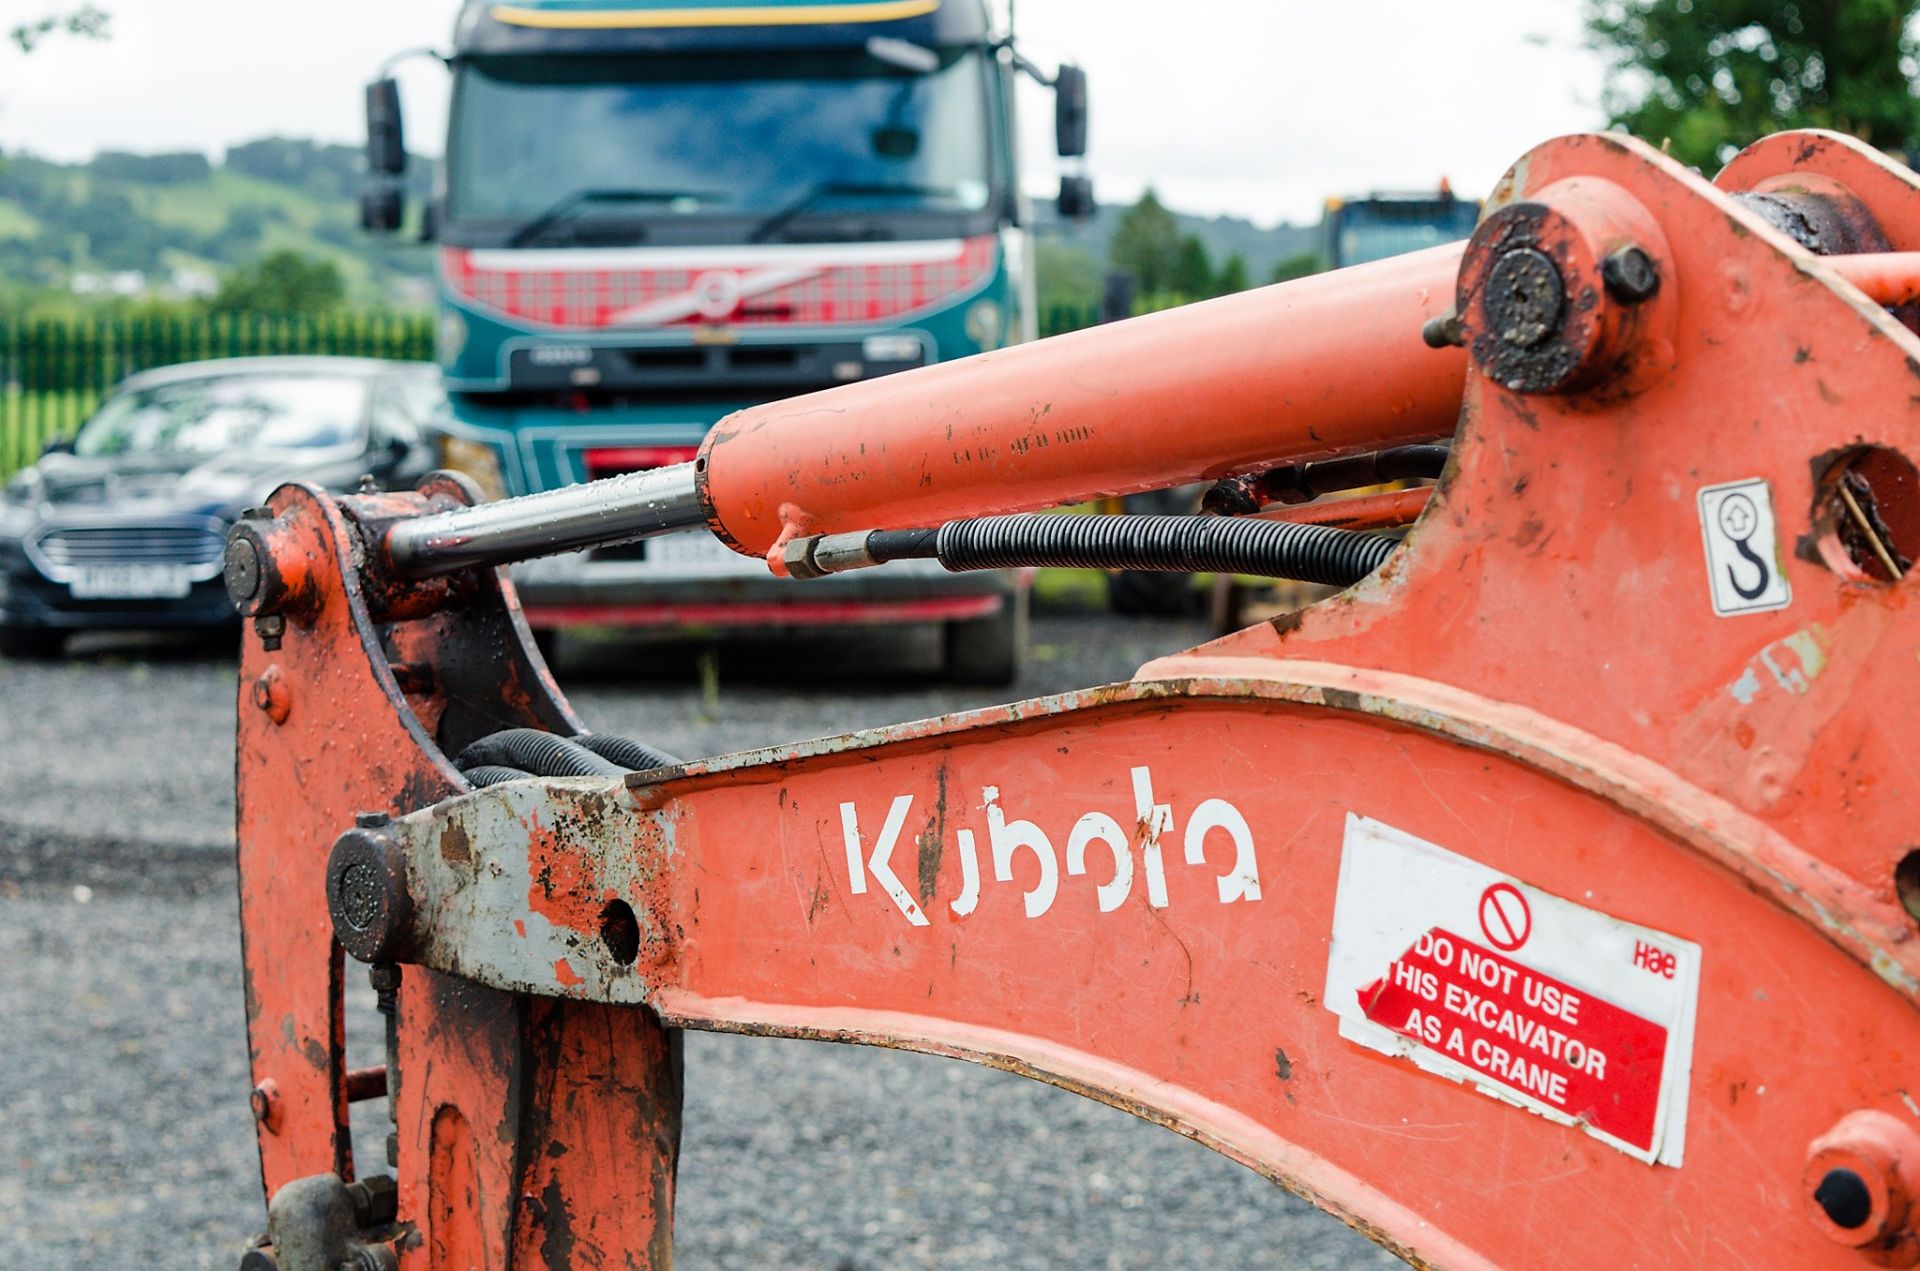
(199, 544)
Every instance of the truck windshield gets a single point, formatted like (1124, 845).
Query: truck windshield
(592, 147)
(1378, 228)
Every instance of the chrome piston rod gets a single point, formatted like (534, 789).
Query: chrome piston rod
(633, 505)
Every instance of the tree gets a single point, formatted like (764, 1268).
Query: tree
(1066, 277)
(283, 282)
(1232, 276)
(1299, 265)
(88, 22)
(1708, 76)
(1146, 243)
(1193, 275)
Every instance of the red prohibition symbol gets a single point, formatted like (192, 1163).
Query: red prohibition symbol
(1505, 917)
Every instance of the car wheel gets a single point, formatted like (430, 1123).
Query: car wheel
(989, 651)
(38, 643)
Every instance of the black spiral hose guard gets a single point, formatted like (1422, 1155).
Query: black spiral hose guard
(514, 754)
(483, 775)
(1206, 544)
(532, 751)
(629, 754)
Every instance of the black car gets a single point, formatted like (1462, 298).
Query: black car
(125, 526)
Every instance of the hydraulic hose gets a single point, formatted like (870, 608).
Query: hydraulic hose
(536, 754)
(492, 774)
(1273, 549)
(515, 754)
(628, 753)
(1304, 482)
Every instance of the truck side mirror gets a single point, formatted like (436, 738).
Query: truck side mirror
(382, 208)
(1076, 197)
(386, 139)
(1070, 112)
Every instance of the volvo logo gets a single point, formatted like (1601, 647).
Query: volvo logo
(716, 294)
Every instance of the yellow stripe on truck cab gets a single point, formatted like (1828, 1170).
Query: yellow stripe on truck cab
(757, 15)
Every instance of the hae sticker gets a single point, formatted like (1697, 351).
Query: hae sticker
(1523, 995)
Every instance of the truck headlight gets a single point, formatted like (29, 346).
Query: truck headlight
(450, 337)
(986, 324)
(475, 459)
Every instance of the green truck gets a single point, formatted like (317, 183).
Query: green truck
(652, 213)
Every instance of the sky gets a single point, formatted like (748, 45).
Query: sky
(1253, 108)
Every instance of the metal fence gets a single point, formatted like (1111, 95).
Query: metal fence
(53, 372)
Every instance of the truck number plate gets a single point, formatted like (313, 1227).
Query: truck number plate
(700, 550)
(129, 582)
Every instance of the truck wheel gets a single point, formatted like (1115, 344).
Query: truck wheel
(1141, 593)
(37, 643)
(989, 651)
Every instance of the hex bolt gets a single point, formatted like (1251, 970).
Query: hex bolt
(375, 1200)
(1525, 297)
(270, 627)
(371, 1258)
(272, 695)
(372, 820)
(265, 1101)
(1629, 276)
(1444, 331)
(259, 1260)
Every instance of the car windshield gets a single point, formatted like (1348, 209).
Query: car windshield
(227, 413)
(564, 145)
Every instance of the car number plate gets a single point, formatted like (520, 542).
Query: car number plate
(699, 549)
(129, 582)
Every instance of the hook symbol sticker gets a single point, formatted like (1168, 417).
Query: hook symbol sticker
(1743, 573)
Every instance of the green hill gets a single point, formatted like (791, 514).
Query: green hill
(183, 215)
(167, 214)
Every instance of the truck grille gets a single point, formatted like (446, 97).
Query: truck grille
(197, 544)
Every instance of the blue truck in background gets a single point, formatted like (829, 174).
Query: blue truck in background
(1376, 226)
(652, 213)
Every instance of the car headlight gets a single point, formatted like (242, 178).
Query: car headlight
(474, 459)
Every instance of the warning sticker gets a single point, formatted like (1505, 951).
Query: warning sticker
(1530, 998)
(1743, 566)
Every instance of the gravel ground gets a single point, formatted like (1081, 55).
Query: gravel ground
(124, 1134)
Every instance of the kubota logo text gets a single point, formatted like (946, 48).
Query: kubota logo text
(1115, 859)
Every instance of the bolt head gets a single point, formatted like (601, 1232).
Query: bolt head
(371, 820)
(1525, 297)
(242, 569)
(367, 895)
(1629, 276)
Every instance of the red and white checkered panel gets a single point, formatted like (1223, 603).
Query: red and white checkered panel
(783, 289)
